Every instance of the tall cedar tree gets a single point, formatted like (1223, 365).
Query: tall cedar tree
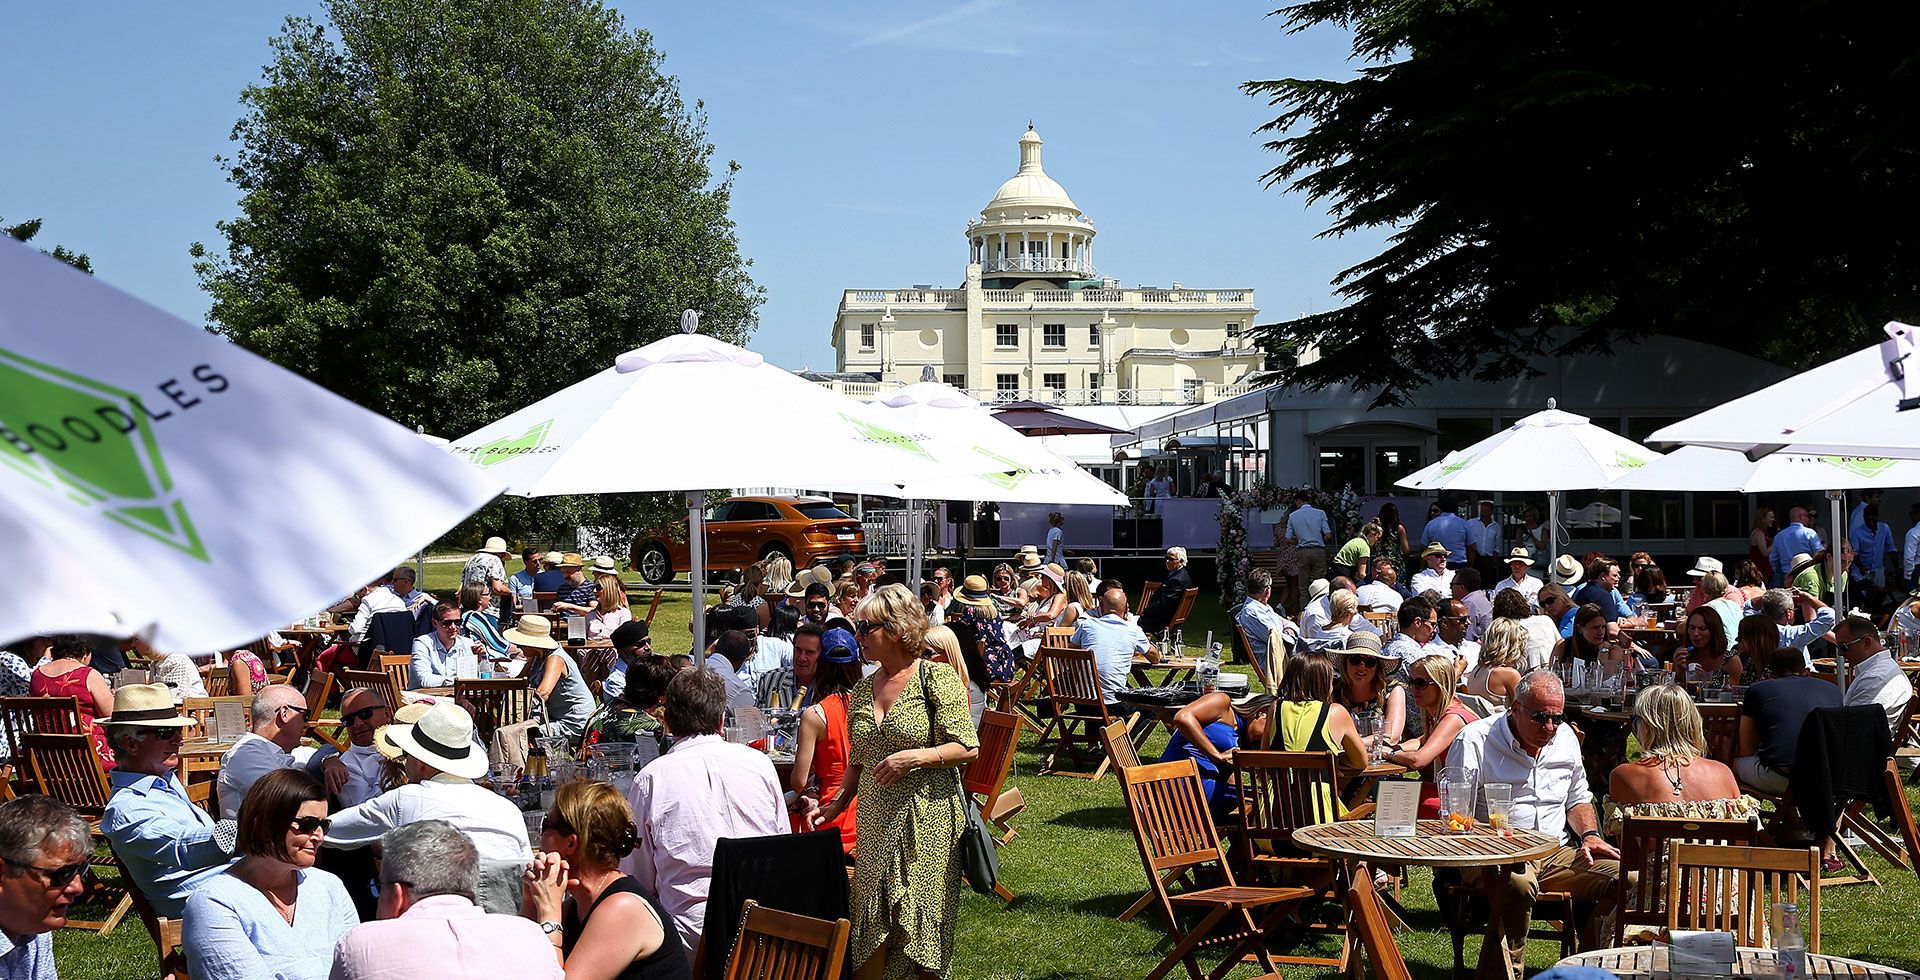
(453, 208)
(1570, 177)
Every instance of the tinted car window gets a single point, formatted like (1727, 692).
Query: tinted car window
(719, 512)
(822, 511)
(753, 510)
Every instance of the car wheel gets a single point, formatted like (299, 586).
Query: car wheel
(776, 548)
(654, 565)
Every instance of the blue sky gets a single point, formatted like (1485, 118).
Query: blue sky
(868, 134)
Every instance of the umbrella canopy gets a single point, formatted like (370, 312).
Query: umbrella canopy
(164, 482)
(1012, 468)
(1550, 450)
(660, 419)
(1035, 419)
(1702, 469)
(1863, 404)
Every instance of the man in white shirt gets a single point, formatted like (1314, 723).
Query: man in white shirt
(397, 594)
(353, 776)
(1778, 605)
(1436, 577)
(1531, 749)
(437, 655)
(278, 720)
(1456, 626)
(1383, 593)
(1311, 534)
(442, 761)
(704, 789)
(1518, 561)
(1318, 610)
(730, 653)
(1484, 533)
(1874, 677)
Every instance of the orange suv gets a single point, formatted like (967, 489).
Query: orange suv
(743, 530)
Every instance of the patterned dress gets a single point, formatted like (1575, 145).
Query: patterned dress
(256, 671)
(992, 642)
(73, 684)
(906, 889)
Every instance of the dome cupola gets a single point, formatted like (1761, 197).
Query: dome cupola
(1031, 229)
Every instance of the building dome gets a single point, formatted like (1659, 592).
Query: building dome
(1031, 188)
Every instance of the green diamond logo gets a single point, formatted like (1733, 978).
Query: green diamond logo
(884, 436)
(1012, 475)
(1457, 465)
(94, 444)
(1865, 467)
(501, 450)
(1628, 461)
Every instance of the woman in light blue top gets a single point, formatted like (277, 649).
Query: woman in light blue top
(272, 914)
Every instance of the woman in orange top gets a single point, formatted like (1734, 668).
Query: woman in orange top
(821, 758)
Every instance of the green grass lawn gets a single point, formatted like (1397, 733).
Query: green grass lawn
(1074, 867)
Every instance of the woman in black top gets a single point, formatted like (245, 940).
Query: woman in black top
(610, 928)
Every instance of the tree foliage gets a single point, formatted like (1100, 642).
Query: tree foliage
(453, 208)
(1563, 178)
(24, 232)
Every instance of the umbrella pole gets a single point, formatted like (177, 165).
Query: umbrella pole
(697, 572)
(1553, 527)
(1837, 508)
(914, 557)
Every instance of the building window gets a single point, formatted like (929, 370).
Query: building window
(1006, 335)
(866, 336)
(1053, 336)
(1191, 388)
(1093, 335)
(1093, 385)
(1233, 330)
(1006, 387)
(954, 380)
(1058, 382)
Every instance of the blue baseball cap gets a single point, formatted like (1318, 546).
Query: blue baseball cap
(837, 646)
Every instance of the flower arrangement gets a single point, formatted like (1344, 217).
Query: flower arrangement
(1232, 561)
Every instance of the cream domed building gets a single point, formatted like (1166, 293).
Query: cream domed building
(1035, 320)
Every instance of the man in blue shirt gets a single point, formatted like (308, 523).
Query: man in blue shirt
(436, 655)
(1449, 529)
(520, 583)
(1794, 539)
(1257, 619)
(169, 845)
(1868, 498)
(1312, 536)
(1114, 641)
(551, 578)
(1603, 590)
(45, 846)
(1872, 543)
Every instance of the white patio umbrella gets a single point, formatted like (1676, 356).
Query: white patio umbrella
(1547, 451)
(1699, 468)
(1012, 468)
(661, 418)
(163, 482)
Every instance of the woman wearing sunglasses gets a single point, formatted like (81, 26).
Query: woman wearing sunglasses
(272, 913)
(611, 928)
(1432, 682)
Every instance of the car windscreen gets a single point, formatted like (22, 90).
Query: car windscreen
(821, 511)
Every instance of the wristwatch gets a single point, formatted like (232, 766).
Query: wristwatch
(1592, 833)
(549, 927)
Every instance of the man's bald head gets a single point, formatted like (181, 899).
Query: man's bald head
(1342, 582)
(1114, 601)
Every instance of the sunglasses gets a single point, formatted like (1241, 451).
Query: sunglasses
(307, 825)
(550, 825)
(864, 627)
(449, 622)
(1453, 619)
(362, 715)
(1548, 718)
(295, 707)
(59, 877)
(1419, 683)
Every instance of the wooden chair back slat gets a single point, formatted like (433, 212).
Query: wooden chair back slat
(776, 945)
(1281, 792)
(1073, 678)
(1057, 637)
(1171, 823)
(595, 665)
(497, 702)
(1243, 650)
(1146, 595)
(1186, 606)
(319, 687)
(1732, 888)
(66, 768)
(201, 711)
(398, 668)
(654, 606)
(1720, 723)
(1644, 854)
(20, 716)
(218, 682)
(1118, 741)
(999, 733)
(379, 681)
(1370, 919)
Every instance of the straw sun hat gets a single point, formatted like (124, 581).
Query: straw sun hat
(442, 737)
(532, 631)
(147, 706)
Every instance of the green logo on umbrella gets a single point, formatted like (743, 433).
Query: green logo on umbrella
(1006, 479)
(94, 444)
(1457, 465)
(501, 450)
(1628, 461)
(886, 437)
(1865, 467)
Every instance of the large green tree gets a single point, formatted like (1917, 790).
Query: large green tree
(1568, 177)
(452, 208)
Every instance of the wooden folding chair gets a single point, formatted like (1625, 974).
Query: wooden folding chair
(595, 665)
(218, 682)
(319, 687)
(379, 681)
(1079, 711)
(1280, 792)
(1117, 738)
(1733, 889)
(164, 932)
(775, 944)
(1181, 611)
(1903, 852)
(1175, 833)
(497, 702)
(543, 601)
(654, 606)
(1146, 595)
(1243, 651)
(22, 716)
(1641, 890)
(66, 768)
(986, 776)
(1906, 738)
(399, 669)
(1370, 921)
(1720, 723)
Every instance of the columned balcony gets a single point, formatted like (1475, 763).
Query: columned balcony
(1037, 264)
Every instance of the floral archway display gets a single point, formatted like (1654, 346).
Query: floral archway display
(1232, 560)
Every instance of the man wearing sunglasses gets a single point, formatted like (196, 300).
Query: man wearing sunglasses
(437, 654)
(44, 846)
(277, 721)
(1531, 749)
(1874, 677)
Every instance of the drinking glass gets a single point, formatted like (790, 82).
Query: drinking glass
(1499, 808)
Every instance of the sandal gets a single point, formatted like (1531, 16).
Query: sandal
(1832, 866)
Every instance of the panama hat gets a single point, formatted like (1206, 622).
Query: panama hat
(1520, 554)
(602, 565)
(1030, 561)
(496, 545)
(1567, 571)
(1055, 574)
(974, 592)
(572, 559)
(797, 589)
(1703, 565)
(1435, 548)
(147, 706)
(443, 739)
(532, 631)
(407, 715)
(1801, 562)
(1028, 549)
(1318, 588)
(553, 558)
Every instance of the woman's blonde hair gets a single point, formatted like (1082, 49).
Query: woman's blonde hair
(779, 573)
(1438, 669)
(940, 640)
(1343, 603)
(899, 612)
(1713, 585)
(1078, 591)
(1667, 724)
(1372, 529)
(613, 592)
(1505, 645)
(599, 814)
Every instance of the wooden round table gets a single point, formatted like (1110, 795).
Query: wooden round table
(1650, 961)
(1354, 840)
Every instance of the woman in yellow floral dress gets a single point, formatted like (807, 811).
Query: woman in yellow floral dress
(906, 889)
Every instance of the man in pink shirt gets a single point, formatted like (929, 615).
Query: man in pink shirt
(430, 926)
(704, 789)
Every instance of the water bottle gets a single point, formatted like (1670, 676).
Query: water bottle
(1209, 671)
(1789, 947)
